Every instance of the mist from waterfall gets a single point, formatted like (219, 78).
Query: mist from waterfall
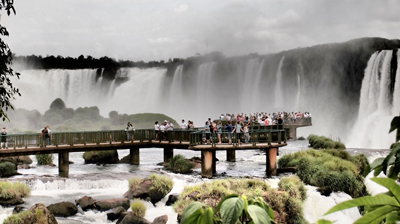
(376, 110)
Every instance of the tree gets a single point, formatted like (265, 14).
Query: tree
(7, 90)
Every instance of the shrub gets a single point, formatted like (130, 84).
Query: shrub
(318, 142)
(179, 164)
(134, 183)
(294, 187)
(44, 159)
(138, 208)
(329, 168)
(7, 169)
(339, 145)
(162, 183)
(10, 190)
(211, 193)
(329, 145)
(19, 217)
(301, 138)
(361, 162)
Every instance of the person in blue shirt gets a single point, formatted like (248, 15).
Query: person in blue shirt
(229, 128)
(207, 131)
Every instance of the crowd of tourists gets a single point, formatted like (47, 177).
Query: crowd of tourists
(264, 118)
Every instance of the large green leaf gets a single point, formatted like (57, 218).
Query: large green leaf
(395, 124)
(394, 169)
(390, 158)
(208, 216)
(260, 202)
(376, 216)
(192, 213)
(380, 199)
(224, 199)
(258, 215)
(392, 218)
(390, 184)
(231, 210)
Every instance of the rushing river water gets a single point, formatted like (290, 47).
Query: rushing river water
(111, 181)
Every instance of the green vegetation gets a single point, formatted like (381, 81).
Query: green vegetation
(385, 207)
(7, 169)
(27, 217)
(19, 218)
(328, 168)
(138, 208)
(44, 159)
(10, 190)
(231, 209)
(161, 183)
(301, 138)
(179, 164)
(134, 183)
(287, 207)
(322, 142)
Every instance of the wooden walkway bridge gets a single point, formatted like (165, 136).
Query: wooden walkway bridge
(269, 138)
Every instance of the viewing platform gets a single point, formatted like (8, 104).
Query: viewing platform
(64, 143)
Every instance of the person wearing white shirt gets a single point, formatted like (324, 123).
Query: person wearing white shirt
(183, 125)
(169, 127)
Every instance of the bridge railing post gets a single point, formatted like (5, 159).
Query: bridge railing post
(270, 137)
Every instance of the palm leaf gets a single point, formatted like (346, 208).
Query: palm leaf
(395, 124)
(380, 199)
(192, 213)
(377, 215)
(391, 185)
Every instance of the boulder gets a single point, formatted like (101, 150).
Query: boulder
(24, 166)
(115, 213)
(160, 220)
(18, 209)
(47, 216)
(85, 203)
(172, 199)
(11, 201)
(131, 218)
(17, 160)
(108, 204)
(145, 190)
(63, 209)
(125, 159)
(102, 157)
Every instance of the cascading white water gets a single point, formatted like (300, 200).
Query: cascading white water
(177, 84)
(375, 112)
(298, 91)
(396, 93)
(256, 90)
(278, 87)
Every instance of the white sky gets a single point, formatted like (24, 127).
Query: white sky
(162, 29)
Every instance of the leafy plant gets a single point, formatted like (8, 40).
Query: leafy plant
(179, 164)
(383, 207)
(230, 210)
(7, 169)
(390, 165)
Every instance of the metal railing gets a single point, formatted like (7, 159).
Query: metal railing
(193, 136)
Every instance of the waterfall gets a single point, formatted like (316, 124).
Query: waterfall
(279, 86)
(375, 112)
(177, 85)
(396, 92)
(256, 92)
(248, 81)
(298, 87)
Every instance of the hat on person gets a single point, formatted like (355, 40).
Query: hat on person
(165, 121)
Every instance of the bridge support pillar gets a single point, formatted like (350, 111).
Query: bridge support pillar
(271, 161)
(231, 155)
(293, 133)
(168, 154)
(208, 163)
(134, 156)
(63, 164)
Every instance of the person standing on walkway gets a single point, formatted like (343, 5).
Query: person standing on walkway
(238, 129)
(170, 128)
(219, 131)
(229, 128)
(246, 133)
(4, 138)
(129, 132)
(46, 133)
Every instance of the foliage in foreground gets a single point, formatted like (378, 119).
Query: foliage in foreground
(7, 169)
(231, 209)
(322, 142)
(179, 164)
(287, 206)
(27, 217)
(138, 208)
(329, 168)
(10, 190)
(44, 159)
(383, 207)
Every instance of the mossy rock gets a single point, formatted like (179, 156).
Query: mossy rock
(8, 169)
(103, 157)
(156, 187)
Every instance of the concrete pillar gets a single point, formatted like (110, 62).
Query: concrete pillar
(207, 158)
(271, 161)
(63, 164)
(293, 133)
(231, 155)
(168, 154)
(134, 156)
